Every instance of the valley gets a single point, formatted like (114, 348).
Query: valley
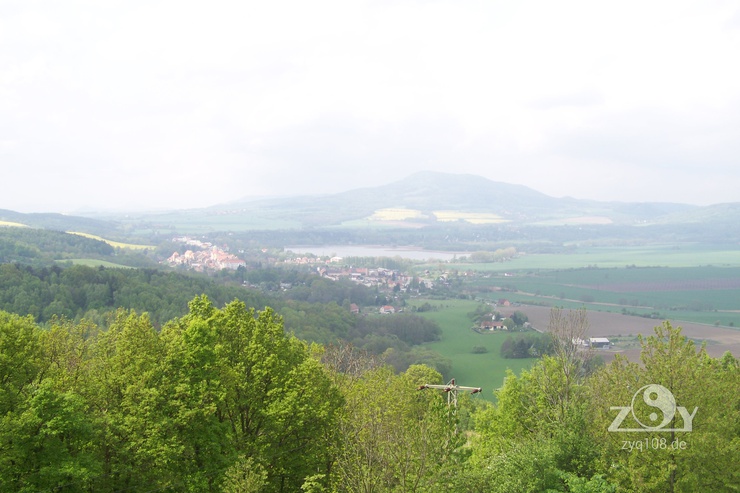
(318, 309)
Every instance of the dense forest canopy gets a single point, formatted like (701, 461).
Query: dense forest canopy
(79, 291)
(26, 244)
(315, 310)
(225, 400)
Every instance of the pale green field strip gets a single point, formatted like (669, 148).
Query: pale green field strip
(115, 244)
(91, 262)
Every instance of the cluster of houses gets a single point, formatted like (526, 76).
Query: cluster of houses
(377, 277)
(208, 258)
(372, 277)
(311, 260)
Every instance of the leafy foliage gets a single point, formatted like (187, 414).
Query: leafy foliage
(549, 430)
(78, 292)
(130, 408)
(223, 399)
(533, 344)
(697, 382)
(394, 437)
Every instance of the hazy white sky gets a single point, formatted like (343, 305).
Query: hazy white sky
(170, 104)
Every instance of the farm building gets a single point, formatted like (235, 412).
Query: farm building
(598, 342)
(489, 325)
(594, 342)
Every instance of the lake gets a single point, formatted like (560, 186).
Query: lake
(375, 251)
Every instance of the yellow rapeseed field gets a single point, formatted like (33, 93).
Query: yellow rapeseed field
(11, 223)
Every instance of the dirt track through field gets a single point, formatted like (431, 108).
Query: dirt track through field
(605, 324)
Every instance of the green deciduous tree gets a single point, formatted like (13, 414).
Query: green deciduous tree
(245, 476)
(395, 438)
(654, 460)
(130, 405)
(53, 444)
(275, 400)
(46, 436)
(20, 359)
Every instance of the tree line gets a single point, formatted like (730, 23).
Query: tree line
(79, 291)
(223, 399)
(315, 309)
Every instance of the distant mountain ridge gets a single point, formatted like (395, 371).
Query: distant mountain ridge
(425, 192)
(429, 191)
(58, 222)
(426, 189)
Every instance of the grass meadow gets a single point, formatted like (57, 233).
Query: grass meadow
(485, 370)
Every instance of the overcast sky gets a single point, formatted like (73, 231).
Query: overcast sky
(174, 104)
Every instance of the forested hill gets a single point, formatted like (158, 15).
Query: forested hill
(44, 247)
(39, 246)
(61, 222)
(316, 310)
(80, 291)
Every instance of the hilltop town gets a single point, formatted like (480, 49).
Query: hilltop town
(206, 257)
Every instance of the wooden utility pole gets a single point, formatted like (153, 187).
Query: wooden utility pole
(451, 388)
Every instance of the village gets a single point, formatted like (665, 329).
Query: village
(205, 257)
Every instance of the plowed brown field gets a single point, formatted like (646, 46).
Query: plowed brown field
(605, 324)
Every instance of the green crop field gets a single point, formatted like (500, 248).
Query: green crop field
(706, 294)
(485, 370)
(653, 256)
